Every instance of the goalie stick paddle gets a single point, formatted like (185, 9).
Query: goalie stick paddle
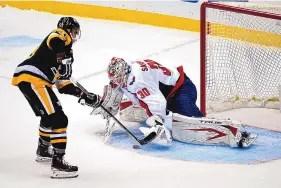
(143, 141)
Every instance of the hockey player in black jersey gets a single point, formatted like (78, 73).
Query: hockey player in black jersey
(51, 64)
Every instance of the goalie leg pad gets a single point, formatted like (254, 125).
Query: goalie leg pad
(206, 130)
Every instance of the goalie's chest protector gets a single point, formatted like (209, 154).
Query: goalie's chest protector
(142, 75)
(143, 86)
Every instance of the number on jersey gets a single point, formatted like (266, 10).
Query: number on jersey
(154, 65)
(143, 93)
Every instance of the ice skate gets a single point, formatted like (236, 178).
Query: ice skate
(61, 169)
(246, 139)
(44, 152)
(163, 135)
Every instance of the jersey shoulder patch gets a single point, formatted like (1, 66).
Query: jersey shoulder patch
(61, 34)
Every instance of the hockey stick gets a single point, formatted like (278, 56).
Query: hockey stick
(143, 141)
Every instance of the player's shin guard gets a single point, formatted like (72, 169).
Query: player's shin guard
(58, 140)
(44, 135)
(44, 150)
(45, 130)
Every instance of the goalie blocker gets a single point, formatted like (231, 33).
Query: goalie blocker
(194, 130)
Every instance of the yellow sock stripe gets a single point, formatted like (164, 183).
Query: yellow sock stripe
(58, 141)
(59, 130)
(44, 134)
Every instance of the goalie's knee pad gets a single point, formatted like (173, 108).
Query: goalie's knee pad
(57, 120)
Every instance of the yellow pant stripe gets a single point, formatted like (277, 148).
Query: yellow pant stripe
(45, 99)
(31, 79)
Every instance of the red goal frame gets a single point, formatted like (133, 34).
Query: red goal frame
(203, 33)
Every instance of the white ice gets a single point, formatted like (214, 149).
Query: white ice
(101, 165)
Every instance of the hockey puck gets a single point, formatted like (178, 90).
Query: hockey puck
(136, 146)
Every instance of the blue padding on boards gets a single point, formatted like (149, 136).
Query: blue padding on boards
(18, 41)
(266, 148)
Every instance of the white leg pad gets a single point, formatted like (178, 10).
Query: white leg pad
(205, 130)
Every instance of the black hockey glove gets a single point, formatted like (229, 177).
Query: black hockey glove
(65, 69)
(91, 100)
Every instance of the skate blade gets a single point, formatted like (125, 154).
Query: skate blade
(57, 174)
(43, 159)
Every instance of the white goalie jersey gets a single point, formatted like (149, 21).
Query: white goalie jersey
(142, 86)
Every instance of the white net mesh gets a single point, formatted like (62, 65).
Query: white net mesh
(243, 59)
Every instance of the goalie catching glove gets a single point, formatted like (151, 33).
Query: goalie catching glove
(111, 101)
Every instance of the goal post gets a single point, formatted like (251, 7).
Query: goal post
(240, 57)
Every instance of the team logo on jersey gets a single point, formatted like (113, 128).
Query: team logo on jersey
(133, 80)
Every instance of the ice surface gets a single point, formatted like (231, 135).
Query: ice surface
(101, 165)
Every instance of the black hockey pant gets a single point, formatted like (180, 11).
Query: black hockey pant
(53, 124)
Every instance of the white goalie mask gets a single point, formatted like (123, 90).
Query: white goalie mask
(118, 71)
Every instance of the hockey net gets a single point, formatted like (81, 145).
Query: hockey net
(240, 56)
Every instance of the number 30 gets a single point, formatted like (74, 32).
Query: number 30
(143, 93)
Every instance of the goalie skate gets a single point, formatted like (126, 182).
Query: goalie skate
(247, 139)
(162, 138)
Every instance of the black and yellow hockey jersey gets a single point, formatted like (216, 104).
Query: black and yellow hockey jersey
(41, 67)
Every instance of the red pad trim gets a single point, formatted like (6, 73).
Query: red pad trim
(179, 82)
(125, 104)
(144, 105)
(219, 134)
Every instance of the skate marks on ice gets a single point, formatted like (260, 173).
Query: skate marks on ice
(266, 148)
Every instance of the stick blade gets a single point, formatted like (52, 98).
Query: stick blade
(148, 138)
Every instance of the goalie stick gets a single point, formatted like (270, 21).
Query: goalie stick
(143, 141)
